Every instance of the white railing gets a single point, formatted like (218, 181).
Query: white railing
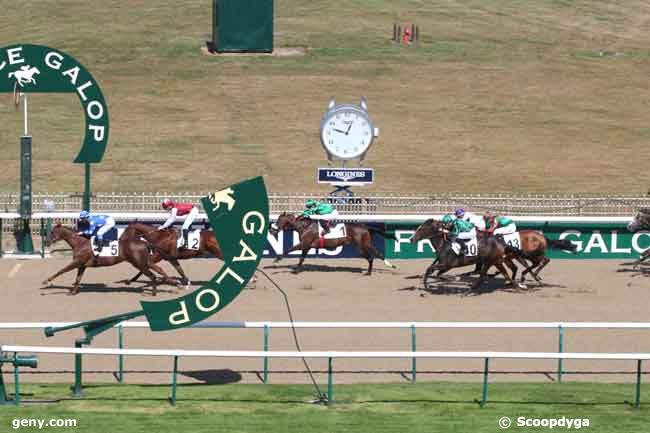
(330, 355)
(318, 354)
(380, 203)
(366, 218)
(385, 325)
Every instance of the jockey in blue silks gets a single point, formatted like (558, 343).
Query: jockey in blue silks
(97, 225)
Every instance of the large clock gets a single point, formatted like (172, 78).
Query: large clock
(346, 131)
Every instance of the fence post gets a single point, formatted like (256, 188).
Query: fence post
(560, 349)
(485, 382)
(77, 389)
(266, 349)
(413, 349)
(1, 248)
(330, 386)
(637, 400)
(42, 238)
(120, 359)
(16, 381)
(174, 373)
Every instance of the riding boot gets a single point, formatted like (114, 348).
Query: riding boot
(186, 233)
(326, 226)
(463, 246)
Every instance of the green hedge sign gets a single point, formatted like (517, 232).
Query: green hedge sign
(239, 218)
(28, 68)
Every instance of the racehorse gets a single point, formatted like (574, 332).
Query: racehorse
(131, 250)
(641, 222)
(164, 246)
(358, 235)
(533, 246)
(490, 253)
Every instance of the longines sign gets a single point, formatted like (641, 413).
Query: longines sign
(346, 176)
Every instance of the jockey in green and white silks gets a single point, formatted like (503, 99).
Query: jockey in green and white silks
(320, 211)
(476, 220)
(460, 231)
(499, 225)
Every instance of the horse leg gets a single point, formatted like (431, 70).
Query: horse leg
(368, 256)
(179, 269)
(154, 281)
(80, 273)
(482, 276)
(302, 259)
(642, 258)
(503, 270)
(375, 252)
(509, 263)
(535, 273)
(71, 266)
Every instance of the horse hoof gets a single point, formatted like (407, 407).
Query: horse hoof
(522, 286)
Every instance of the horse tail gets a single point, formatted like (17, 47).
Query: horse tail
(561, 244)
(381, 232)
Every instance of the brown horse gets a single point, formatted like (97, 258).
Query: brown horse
(164, 246)
(534, 246)
(641, 222)
(131, 250)
(490, 253)
(358, 235)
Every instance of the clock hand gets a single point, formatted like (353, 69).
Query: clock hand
(349, 126)
(340, 130)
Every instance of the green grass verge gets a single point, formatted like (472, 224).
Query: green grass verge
(508, 95)
(422, 407)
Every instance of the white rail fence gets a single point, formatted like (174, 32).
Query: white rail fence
(417, 204)
(330, 355)
(266, 326)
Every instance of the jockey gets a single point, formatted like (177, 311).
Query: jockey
(461, 231)
(98, 223)
(322, 212)
(180, 209)
(476, 220)
(499, 225)
(447, 219)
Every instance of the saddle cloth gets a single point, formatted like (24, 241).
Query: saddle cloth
(113, 247)
(336, 232)
(471, 248)
(513, 239)
(193, 239)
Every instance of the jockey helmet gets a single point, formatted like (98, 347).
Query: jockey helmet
(310, 203)
(84, 214)
(460, 212)
(167, 203)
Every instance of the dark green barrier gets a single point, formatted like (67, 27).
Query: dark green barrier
(593, 240)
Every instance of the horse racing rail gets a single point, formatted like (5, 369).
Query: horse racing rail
(367, 203)
(330, 355)
(265, 354)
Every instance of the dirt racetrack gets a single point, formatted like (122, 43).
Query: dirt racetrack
(336, 290)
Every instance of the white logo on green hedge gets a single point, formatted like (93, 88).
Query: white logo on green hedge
(39, 69)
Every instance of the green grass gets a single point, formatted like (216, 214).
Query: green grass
(506, 95)
(423, 407)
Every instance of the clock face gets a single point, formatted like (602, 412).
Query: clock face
(347, 133)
